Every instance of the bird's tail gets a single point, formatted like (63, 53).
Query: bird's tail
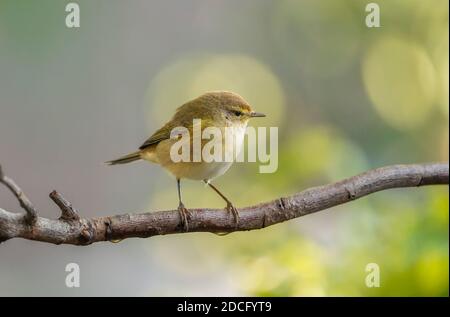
(126, 159)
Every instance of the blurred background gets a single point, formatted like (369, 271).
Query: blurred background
(346, 98)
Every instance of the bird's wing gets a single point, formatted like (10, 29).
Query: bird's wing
(158, 136)
(184, 116)
(164, 134)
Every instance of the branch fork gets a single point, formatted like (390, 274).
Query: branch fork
(25, 203)
(68, 213)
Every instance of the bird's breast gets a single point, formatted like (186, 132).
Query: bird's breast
(239, 138)
(206, 168)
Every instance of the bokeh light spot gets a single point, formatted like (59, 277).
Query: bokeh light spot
(194, 75)
(400, 81)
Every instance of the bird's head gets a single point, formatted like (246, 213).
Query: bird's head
(216, 108)
(231, 106)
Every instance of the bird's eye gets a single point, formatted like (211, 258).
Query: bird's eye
(237, 113)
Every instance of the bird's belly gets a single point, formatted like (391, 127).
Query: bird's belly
(198, 170)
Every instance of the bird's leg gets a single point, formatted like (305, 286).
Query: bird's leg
(229, 207)
(184, 213)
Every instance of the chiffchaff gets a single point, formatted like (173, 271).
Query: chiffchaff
(218, 110)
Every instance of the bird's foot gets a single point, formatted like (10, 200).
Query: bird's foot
(184, 215)
(230, 208)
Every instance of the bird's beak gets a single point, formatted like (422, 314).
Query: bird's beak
(257, 114)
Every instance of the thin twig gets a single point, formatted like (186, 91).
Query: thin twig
(71, 229)
(25, 203)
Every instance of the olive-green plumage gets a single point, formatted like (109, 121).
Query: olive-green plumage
(213, 108)
(219, 109)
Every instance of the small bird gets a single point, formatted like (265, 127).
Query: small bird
(218, 109)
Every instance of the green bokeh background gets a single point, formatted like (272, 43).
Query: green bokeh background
(345, 98)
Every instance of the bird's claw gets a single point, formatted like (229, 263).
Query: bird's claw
(230, 208)
(184, 216)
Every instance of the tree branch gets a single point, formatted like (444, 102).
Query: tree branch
(71, 229)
